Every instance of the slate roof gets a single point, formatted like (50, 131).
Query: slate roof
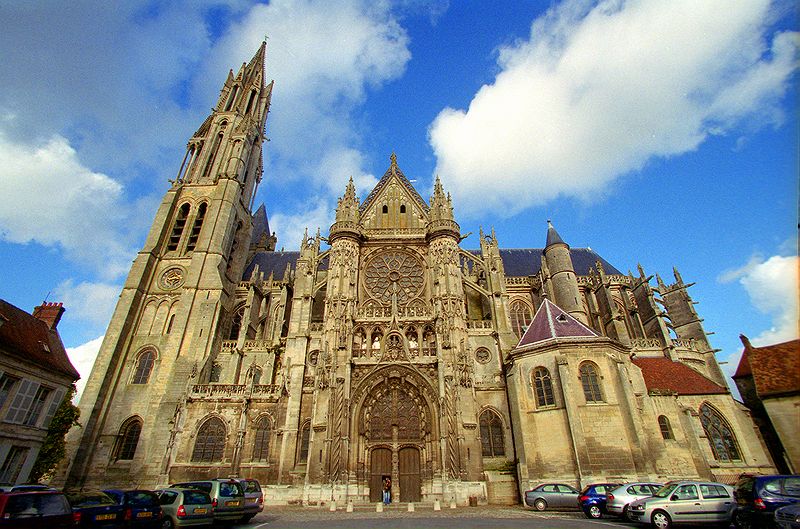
(25, 337)
(552, 322)
(519, 262)
(662, 374)
(552, 236)
(260, 224)
(775, 368)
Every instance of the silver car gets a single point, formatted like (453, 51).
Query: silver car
(694, 502)
(619, 498)
(185, 508)
(552, 496)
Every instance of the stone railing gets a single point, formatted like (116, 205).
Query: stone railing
(518, 281)
(479, 324)
(386, 312)
(228, 346)
(257, 345)
(218, 390)
(646, 343)
(689, 343)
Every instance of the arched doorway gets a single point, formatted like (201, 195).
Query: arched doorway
(395, 429)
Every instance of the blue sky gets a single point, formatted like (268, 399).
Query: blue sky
(660, 133)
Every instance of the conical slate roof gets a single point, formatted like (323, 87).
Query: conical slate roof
(551, 322)
(552, 236)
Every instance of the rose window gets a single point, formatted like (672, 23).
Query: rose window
(394, 272)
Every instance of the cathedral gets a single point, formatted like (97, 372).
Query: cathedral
(382, 348)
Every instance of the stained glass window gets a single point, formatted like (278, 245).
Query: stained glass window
(544, 387)
(720, 436)
(492, 434)
(210, 443)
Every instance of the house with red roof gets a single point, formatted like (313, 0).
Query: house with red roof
(768, 379)
(35, 374)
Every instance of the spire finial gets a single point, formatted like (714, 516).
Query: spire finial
(393, 158)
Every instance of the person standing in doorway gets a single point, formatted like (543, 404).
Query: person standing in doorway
(387, 490)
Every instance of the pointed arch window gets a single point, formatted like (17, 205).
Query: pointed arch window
(261, 444)
(719, 433)
(144, 366)
(232, 98)
(543, 385)
(305, 438)
(210, 443)
(385, 209)
(665, 427)
(216, 373)
(212, 156)
(520, 317)
(402, 208)
(492, 441)
(128, 439)
(196, 227)
(177, 228)
(590, 379)
(234, 245)
(250, 101)
(236, 323)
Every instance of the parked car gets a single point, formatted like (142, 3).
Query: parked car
(592, 499)
(677, 502)
(35, 509)
(788, 517)
(25, 487)
(552, 496)
(254, 498)
(617, 500)
(142, 507)
(757, 497)
(185, 508)
(96, 509)
(227, 497)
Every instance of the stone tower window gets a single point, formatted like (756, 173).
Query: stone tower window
(664, 426)
(216, 373)
(177, 228)
(250, 101)
(210, 443)
(232, 98)
(236, 323)
(719, 433)
(520, 317)
(144, 366)
(385, 209)
(127, 439)
(261, 444)
(402, 208)
(543, 385)
(591, 382)
(305, 437)
(196, 227)
(492, 440)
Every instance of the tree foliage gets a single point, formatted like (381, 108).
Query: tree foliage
(54, 447)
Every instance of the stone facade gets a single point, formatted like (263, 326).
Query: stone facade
(383, 349)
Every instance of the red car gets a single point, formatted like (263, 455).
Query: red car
(35, 509)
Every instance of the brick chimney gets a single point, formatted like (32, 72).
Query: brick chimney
(50, 313)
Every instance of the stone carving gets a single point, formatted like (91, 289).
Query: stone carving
(394, 274)
(172, 278)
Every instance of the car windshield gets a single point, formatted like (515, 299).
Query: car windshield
(195, 497)
(666, 490)
(141, 498)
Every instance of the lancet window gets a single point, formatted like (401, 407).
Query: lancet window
(520, 316)
(261, 444)
(196, 227)
(590, 379)
(144, 366)
(665, 427)
(492, 441)
(543, 385)
(177, 228)
(719, 433)
(128, 438)
(210, 443)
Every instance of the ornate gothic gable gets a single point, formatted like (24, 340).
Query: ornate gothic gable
(394, 203)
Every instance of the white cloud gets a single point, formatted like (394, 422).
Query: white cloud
(83, 357)
(597, 91)
(772, 287)
(89, 302)
(51, 198)
(292, 227)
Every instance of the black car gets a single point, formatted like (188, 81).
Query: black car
(96, 510)
(35, 510)
(142, 508)
(757, 497)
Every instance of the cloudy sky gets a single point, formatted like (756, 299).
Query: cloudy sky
(660, 133)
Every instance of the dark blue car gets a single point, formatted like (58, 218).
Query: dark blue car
(142, 508)
(757, 498)
(592, 499)
(96, 510)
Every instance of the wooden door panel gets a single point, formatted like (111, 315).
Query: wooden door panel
(410, 489)
(380, 465)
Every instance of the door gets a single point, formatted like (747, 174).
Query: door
(410, 489)
(685, 505)
(380, 466)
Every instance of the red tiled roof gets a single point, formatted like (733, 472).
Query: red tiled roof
(775, 368)
(743, 369)
(551, 322)
(29, 339)
(662, 374)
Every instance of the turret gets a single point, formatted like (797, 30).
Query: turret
(562, 278)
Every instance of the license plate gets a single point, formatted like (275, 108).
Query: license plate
(144, 514)
(201, 510)
(105, 516)
(234, 503)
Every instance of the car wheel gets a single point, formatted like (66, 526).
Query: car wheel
(661, 520)
(167, 523)
(594, 511)
(540, 504)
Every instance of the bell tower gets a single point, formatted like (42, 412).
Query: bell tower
(179, 293)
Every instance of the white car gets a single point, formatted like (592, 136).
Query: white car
(694, 502)
(617, 500)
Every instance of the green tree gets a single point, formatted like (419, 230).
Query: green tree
(54, 446)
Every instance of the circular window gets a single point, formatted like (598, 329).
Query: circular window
(394, 272)
(483, 356)
(172, 278)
